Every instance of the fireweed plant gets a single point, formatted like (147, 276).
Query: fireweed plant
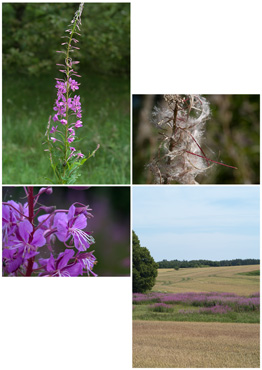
(181, 125)
(25, 232)
(65, 159)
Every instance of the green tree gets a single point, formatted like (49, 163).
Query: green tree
(144, 267)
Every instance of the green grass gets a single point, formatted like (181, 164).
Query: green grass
(27, 104)
(143, 312)
(251, 273)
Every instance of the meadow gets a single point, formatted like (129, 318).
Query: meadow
(28, 103)
(199, 317)
(228, 279)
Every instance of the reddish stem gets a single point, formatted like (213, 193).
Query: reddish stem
(30, 199)
(207, 159)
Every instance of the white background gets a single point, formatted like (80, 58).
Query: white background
(185, 46)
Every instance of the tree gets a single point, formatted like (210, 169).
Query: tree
(144, 267)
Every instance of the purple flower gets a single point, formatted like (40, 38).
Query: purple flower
(12, 259)
(72, 225)
(46, 225)
(11, 216)
(53, 129)
(78, 124)
(22, 239)
(62, 267)
(60, 107)
(73, 84)
(71, 131)
(75, 104)
(61, 86)
(87, 261)
(55, 118)
(26, 239)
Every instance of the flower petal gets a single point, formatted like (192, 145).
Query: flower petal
(25, 229)
(64, 257)
(61, 223)
(38, 239)
(80, 222)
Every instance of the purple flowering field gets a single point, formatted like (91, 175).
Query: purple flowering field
(194, 306)
(77, 231)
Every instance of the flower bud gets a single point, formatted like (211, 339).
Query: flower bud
(48, 191)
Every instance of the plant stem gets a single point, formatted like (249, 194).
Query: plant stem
(207, 159)
(30, 199)
(67, 94)
(172, 141)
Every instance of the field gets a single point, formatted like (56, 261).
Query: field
(184, 345)
(202, 317)
(229, 279)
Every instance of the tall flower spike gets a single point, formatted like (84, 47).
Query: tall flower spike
(67, 112)
(182, 126)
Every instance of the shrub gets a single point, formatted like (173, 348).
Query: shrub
(161, 307)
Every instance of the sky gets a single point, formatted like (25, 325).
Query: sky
(197, 222)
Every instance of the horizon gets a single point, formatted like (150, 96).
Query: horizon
(205, 259)
(203, 222)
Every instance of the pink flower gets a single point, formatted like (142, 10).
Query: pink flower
(53, 129)
(72, 225)
(55, 118)
(73, 84)
(78, 124)
(71, 131)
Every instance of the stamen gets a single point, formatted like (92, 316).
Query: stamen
(80, 234)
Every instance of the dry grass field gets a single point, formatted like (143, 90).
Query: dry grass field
(192, 344)
(208, 279)
(167, 344)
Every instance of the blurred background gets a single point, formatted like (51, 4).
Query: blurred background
(110, 225)
(31, 36)
(232, 137)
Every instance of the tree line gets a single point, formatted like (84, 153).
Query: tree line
(205, 263)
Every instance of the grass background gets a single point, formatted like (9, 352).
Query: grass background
(28, 103)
